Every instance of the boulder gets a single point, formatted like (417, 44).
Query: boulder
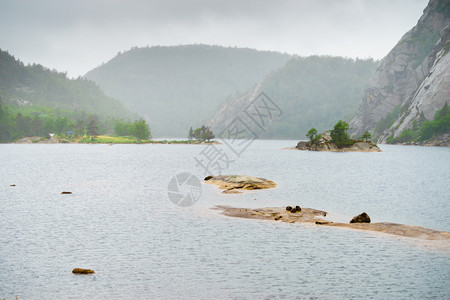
(288, 208)
(208, 177)
(66, 192)
(12, 185)
(302, 145)
(298, 208)
(82, 271)
(362, 218)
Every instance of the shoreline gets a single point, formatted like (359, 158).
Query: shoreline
(107, 140)
(315, 216)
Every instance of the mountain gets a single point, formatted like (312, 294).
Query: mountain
(181, 86)
(314, 91)
(27, 85)
(413, 81)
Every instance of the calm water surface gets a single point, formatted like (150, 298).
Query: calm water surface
(120, 222)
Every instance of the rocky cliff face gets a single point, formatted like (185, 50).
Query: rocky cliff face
(413, 76)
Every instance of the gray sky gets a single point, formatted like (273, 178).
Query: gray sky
(78, 35)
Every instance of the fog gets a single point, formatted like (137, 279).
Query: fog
(77, 36)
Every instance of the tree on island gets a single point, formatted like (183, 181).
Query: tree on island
(313, 136)
(191, 134)
(92, 128)
(366, 136)
(339, 135)
(141, 130)
(202, 134)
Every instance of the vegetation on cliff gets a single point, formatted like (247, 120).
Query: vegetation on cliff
(425, 130)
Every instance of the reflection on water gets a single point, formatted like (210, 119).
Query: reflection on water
(120, 222)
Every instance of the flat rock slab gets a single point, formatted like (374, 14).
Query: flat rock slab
(230, 183)
(310, 215)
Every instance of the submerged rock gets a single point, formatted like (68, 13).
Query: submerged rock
(231, 192)
(323, 222)
(82, 271)
(362, 218)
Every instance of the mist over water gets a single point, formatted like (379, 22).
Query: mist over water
(120, 222)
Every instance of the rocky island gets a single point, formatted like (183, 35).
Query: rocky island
(325, 144)
(315, 216)
(337, 140)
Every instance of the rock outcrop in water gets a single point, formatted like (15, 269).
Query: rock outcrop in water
(325, 144)
(314, 216)
(413, 81)
(232, 183)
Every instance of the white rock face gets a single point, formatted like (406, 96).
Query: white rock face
(431, 96)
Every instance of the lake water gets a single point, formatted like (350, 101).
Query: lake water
(120, 222)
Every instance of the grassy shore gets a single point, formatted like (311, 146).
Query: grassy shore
(104, 139)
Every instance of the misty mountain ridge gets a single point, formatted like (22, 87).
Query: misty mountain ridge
(313, 91)
(176, 87)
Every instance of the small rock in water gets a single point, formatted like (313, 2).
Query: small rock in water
(12, 185)
(82, 271)
(231, 192)
(66, 192)
(362, 218)
(323, 222)
(208, 177)
(288, 208)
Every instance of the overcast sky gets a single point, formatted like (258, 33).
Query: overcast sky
(78, 35)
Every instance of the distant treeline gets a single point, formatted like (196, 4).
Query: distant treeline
(42, 121)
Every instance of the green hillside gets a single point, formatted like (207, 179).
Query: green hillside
(34, 85)
(181, 86)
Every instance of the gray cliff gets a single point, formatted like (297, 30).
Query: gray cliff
(414, 75)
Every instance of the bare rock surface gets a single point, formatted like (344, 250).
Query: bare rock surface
(314, 216)
(232, 183)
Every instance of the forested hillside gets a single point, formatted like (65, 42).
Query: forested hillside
(313, 91)
(34, 85)
(181, 86)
